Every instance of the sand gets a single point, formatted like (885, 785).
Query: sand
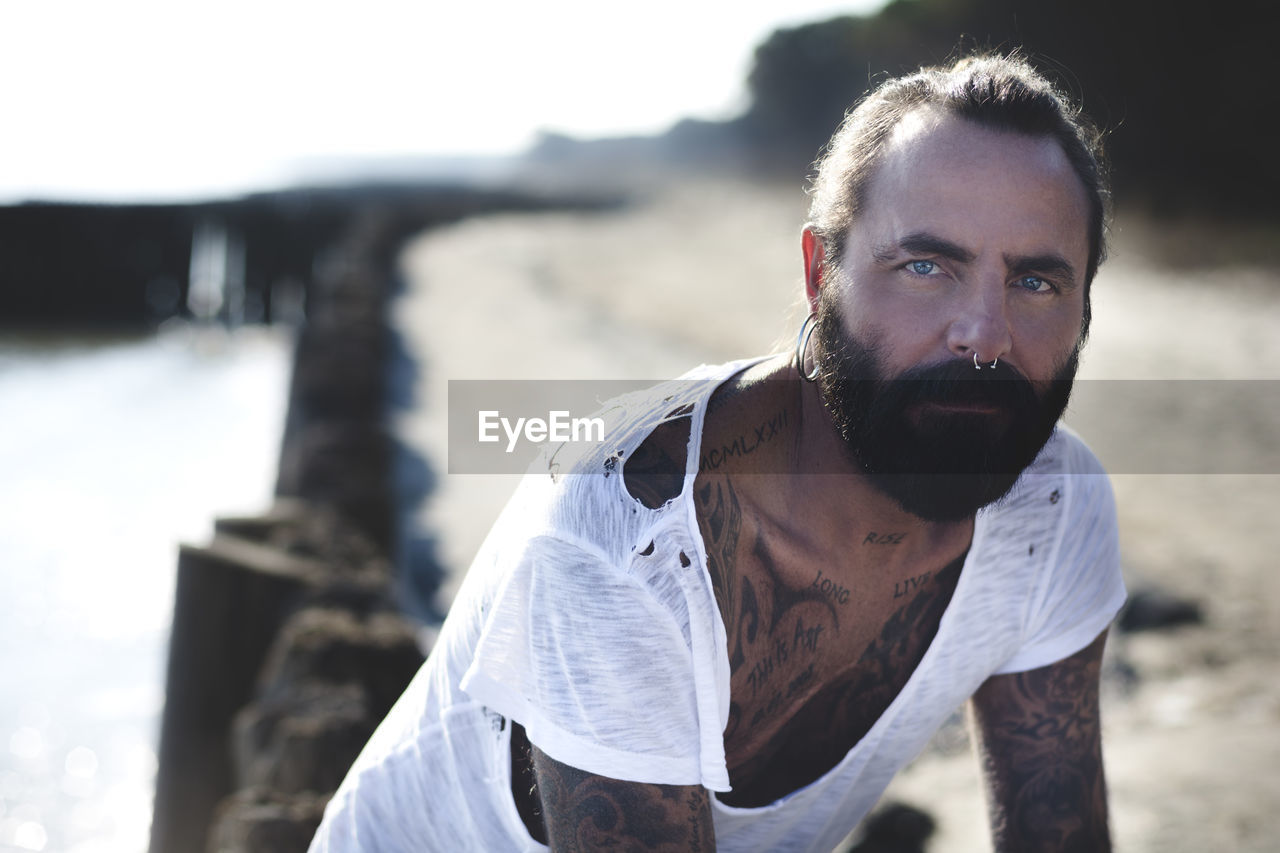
(708, 271)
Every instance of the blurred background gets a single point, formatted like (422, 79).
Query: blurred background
(227, 235)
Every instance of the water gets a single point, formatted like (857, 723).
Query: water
(111, 453)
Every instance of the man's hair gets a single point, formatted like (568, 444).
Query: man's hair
(998, 92)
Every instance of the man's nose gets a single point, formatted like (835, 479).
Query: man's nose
(980, 328)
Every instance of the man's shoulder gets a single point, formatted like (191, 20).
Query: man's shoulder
(662, 411)
(603, 491)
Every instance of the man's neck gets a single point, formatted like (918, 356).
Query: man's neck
(839, 501)
(770, 432)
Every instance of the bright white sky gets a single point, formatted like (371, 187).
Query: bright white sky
(154, 98)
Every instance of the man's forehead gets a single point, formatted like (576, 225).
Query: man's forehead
(931, 133)
(950, 175)
(915, 124)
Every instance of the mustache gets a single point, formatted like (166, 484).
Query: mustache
(957, 382)
(947, 383)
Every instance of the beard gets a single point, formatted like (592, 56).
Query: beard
(941, 440)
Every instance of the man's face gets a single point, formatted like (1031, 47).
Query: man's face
(972, 242)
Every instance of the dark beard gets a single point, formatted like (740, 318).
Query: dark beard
(937, 465)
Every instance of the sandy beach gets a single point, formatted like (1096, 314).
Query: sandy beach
(710, 271)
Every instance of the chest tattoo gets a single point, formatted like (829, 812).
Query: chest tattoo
(787, 655)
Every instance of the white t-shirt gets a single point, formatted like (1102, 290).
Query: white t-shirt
(590, 619)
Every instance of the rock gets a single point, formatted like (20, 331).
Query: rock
(303, 529)
(346, 466)
(378, 651)
(303, 738)
(1152, 608)
(256, 821)
(895, 828)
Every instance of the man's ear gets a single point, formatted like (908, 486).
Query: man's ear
(814, 259)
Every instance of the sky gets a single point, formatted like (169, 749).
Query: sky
(151, 99)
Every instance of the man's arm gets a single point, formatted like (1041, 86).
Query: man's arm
(1041, 752)
(584, 812)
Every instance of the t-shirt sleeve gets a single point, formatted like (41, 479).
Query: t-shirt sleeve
(1083, 588)
(586, 659)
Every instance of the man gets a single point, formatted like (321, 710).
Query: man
(729, 628)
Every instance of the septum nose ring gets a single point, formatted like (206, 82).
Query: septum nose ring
(977, 366)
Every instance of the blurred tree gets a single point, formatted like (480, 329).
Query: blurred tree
(1186, 92)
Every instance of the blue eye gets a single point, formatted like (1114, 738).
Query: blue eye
(922, 267)
(1035, 284)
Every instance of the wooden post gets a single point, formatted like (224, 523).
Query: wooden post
(228, 607)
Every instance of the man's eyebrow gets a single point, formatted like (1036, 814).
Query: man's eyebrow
(1048, 264)
(922, 243)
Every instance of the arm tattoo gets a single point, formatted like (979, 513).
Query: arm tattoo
(586, 812)
(1040, 747)
(720, 518)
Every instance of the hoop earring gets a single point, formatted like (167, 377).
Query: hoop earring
(802, 346)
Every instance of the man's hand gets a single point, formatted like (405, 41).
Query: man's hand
(1041, 753)
(585, 812)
